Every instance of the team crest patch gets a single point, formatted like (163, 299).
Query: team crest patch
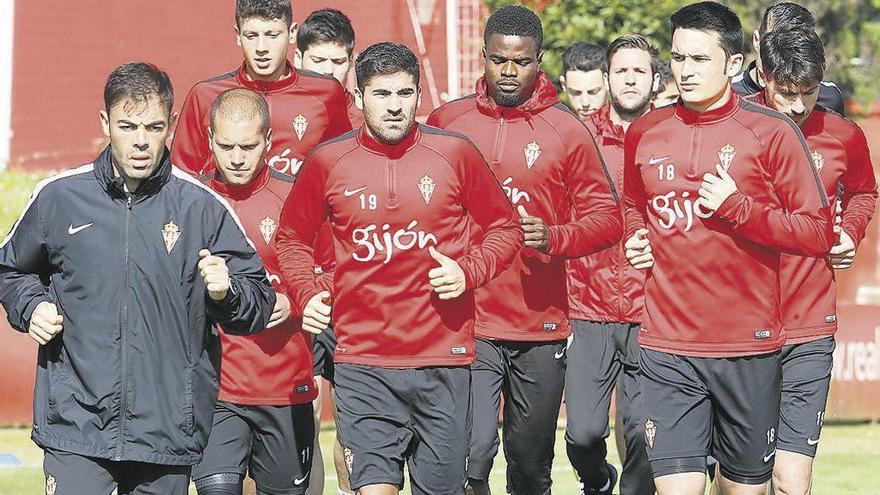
(426, 187)
(51, 485)
(818, 161)
(268, 228)
(726, 155)
(650, 433)
(532, 151)
(170, 234)
(300, 124)
(349, 458)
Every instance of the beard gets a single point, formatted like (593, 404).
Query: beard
(633, 110)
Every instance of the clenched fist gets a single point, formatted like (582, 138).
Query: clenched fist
(215, 274)
(281, 312)
(638, 250)
(316, 314)
(45, 323)
(536, 234)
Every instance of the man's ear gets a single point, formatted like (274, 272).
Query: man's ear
(656, 84)
(297, 59)
(269, 139)
(105, 122)
(358, 99)
(540, 57)
(756, 41)
(734, 64)
(237, 35)
(292, 39)
(562, 81)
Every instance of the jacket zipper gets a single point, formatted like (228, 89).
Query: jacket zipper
(391, 182)
(499, 142)
(695, 151)
(123, 403)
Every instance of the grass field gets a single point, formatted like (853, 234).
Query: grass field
(848, 463)
(15, 189)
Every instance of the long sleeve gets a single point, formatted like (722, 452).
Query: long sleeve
(338, 122)
(486, 203)
(189, 150)
(859, 187)
(23, 261)
(250, 300)
(596, 223)
(305, 211)
(634, 198)
(803, 222)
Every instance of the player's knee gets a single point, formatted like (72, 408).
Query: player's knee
(786, 482)
(220, 484)
(586, 434)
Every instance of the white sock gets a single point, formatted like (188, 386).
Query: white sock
(607, 485)
(342, 492)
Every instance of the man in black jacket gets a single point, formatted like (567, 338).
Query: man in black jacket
(120, 269)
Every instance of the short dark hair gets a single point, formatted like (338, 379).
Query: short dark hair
(637, 42)
(514, 20)
(712, 17)
(263, 9)
(138, 81)
(793, 56)
(583, 56)
(325, 26)
(666, 77)
(786, 14)
(238, 104)
(383, 59)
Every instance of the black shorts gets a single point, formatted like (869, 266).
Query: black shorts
(272, 443)
(806, 376)
(724, 407)
(531, 376)
(74, 474)
(386, 417)
(323, 347)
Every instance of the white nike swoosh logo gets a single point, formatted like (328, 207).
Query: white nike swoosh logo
(655, 161)
(300, 481)
(348, 193)
(559, 354)
(769, 456)
(812, 442)
(73, 230)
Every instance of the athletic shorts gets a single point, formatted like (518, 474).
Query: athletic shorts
(386, 417)
(272, 443)
(806, 376)
(74, 474)
(724, 407)
(323, 347)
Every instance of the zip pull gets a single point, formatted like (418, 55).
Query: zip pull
(128, 202)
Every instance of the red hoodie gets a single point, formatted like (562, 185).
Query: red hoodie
(273, 367)
(546, 161)
(714, 287)
(809, 289)
(387, 205)
(603, 286)
(305, 108)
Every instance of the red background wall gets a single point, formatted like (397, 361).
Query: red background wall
(63, 52)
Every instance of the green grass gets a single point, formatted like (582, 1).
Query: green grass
(15, 189)
(848, 463)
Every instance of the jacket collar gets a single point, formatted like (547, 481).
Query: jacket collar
(392, 151)
(751, 85)
(692, 117)
(543, 97)
(605, 127)
(267, 86)
(114, 185)
(244, 191)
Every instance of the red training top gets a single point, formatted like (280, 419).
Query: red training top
(273, 367)
(603, 286)
(841, 156)
(714, 288)
(547, 162)
(387, 205)
(305, 109)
